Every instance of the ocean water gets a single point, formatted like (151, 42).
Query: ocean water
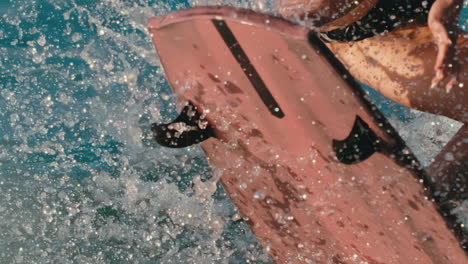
(81, 181)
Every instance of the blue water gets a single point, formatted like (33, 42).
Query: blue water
(80, 179)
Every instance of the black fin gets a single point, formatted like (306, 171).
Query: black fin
(187, 129)
(359, 145)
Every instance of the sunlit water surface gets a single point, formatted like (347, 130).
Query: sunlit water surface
(80, 179)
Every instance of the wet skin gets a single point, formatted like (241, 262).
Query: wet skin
(400, 64)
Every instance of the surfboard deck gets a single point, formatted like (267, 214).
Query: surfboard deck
(316, 171)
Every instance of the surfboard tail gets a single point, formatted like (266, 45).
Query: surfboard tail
(316, 170)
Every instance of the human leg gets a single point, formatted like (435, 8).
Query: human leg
(400, 66)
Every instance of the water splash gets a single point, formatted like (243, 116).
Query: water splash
(80, 179)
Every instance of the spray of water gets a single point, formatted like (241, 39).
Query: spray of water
(80, 179)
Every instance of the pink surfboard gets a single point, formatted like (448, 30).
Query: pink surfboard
(317, 172)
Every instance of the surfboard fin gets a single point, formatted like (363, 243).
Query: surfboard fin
(187, 129)
(361, 143)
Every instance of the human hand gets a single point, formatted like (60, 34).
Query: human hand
(442, 22)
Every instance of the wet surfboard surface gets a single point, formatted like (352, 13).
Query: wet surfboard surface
(317, 172)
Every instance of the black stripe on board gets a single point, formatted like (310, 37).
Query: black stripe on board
(248, 68)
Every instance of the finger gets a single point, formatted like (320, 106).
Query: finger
(439, 76)
(450, 84)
